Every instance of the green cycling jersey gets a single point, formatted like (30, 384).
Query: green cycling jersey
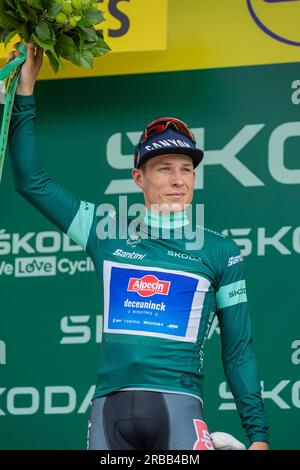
(159, 296)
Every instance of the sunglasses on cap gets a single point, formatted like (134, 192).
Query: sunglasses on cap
(161, 124)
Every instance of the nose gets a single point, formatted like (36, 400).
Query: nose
(177, 179)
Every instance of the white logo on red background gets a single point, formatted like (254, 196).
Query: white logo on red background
(148, 285)
(204, 441)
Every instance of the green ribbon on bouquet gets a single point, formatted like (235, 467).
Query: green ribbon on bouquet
(9, 75)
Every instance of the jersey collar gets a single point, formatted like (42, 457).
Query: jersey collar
(168, 221)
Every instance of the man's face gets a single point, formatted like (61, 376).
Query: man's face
(167, 180)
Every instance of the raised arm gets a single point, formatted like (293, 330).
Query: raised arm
(61, 207)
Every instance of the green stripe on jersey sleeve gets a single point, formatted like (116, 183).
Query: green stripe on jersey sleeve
(232, 294)
(80, 227)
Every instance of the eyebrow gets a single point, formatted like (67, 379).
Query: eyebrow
(170, 164)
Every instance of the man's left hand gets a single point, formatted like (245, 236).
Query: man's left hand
(259, 446)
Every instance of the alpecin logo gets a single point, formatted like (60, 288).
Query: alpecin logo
(148, 285)
(277, 18)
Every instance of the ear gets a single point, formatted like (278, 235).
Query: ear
(138, 177)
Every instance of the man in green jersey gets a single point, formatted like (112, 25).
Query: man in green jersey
(160, 292)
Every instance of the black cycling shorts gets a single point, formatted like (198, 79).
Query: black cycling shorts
(147, 420)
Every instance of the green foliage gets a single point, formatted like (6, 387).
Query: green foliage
(63, 28)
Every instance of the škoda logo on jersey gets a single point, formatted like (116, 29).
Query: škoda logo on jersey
(148, 285)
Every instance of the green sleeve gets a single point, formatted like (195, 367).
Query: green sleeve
(60, 206)
(238, 356)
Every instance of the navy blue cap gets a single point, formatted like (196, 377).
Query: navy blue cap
(168, 141)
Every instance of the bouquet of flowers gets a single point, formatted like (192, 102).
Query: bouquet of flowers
(63, 28)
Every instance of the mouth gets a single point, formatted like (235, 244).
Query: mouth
(176, 195)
